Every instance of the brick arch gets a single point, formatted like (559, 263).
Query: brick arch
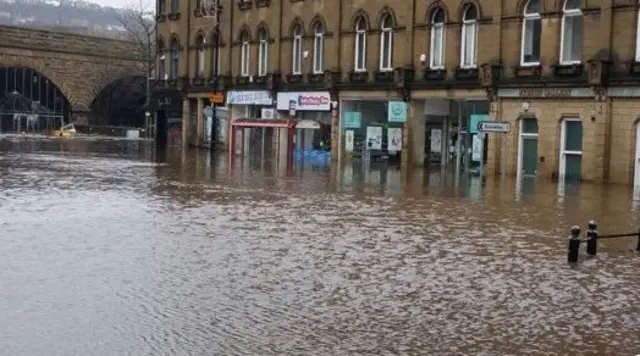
(317, 19)
(358, 15)
(262, 26)
(386, 11)
(465, 4)
(47, 72)
(431, 10)
(559, 5)
(523, 3)
(244, 30)
(199, 33)
(297, 22)
(130, 88)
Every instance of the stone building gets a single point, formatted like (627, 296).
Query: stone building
(413, 79)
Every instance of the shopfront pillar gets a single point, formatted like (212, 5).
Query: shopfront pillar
(335, 132)
(407, 138)
(494, 142)
(418, 134)
(185, 122)
(200, 122)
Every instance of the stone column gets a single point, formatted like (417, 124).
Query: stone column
(418, 135)
(407, 139)
(199, 123)
(335, 133)
(494, 144)
(185, 122)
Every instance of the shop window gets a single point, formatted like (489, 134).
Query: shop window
(244, 55)
(571, 149)
(437, 40)
(297, 50)
(571, 39)
(318, 49)
(469, 37)
(531, 34)
(360, 64)
(263, 52)
(386, 43)
(200, 56)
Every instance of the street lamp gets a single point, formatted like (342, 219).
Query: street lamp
(216, 46)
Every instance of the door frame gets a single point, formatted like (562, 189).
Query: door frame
(521, 137)
(563, 162)
(636, 166)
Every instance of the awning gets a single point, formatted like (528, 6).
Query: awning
(264, 123)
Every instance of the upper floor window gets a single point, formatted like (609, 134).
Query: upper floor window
(175, 52)
(175, 6)
(215, 54)
(162, 6)
(297, 50)
(571, 38)
(638, 42)
(244, 54)
(161, 60)
(263, 52)
(386, 43)
(360, 57)
(437, 40)
(531, 34)
(469, 36)
(318, 48)
(200, 42)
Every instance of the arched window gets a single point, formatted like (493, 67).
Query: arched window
(386, 43)
(360, 57)
(531, 34)
(175, 52)
(469, 36)
(162, 7)
(437, 40)
(200, 42)
(161, 60)
(296, 52)
(318, 48)
(175, 6)
(263, 52)
(215, 54)
(571, 40)
(244, 55)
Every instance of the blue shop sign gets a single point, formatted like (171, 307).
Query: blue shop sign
(352, 120)
(397, 111)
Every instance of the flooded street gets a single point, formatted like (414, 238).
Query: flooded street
(111, 248)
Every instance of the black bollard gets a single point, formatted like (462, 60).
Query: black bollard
(592, 236)
(638, 244)
(574, 244)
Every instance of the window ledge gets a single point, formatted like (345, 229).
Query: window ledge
(574, 69)
(294, 78)
(245, 5)
(634, 67)
(161, 18)
(467, 73)
(358, 76)
(175, 16)
(315, 77)
(384, 76)
(434, 74)
(527, 71)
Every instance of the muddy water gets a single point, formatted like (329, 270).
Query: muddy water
(110, 248)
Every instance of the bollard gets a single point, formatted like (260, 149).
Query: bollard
(574, 244)
(592, 236)
(638, 244)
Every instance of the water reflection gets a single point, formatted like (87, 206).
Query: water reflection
(180, 252)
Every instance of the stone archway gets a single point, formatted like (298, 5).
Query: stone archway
(120, 102)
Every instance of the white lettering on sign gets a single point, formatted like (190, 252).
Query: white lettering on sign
(305, 101)
(311, 100)
(494, 126)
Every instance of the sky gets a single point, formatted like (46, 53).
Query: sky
(125, 3)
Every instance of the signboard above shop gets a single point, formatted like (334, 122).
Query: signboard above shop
(249, 97)
(494, 126)
(304, 101)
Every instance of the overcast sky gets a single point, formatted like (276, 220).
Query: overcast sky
(125, 3)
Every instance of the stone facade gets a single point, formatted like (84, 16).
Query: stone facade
(79, 65)
(602, 82)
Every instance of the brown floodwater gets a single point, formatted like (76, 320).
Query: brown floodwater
(112, 248)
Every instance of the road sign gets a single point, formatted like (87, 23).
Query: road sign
(217, 98)
(208, 111)
(494, 126)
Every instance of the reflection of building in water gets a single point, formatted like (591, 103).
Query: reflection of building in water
(20, 114)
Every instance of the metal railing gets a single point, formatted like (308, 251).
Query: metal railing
(592, 240)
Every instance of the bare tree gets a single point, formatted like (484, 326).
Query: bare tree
(138, 21)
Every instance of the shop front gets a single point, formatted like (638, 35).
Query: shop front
(250, 108)
(372, 130)
(312, 113)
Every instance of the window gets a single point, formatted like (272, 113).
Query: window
(469, 37)
(638, 39)
(571, 150)
(263, 52)
(175, 49)
(571, 39)
(318, 49)
(296, 52)
(437, 40)
(386, 43)
(161, 60)
(200, 56)
(531, 34)
(162, 7)
(175, 6)
(215, 55)
(361, 46)
(244, 55)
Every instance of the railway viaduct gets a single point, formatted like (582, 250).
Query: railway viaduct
(79, 66)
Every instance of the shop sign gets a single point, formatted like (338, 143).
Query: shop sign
(525, 93)
(251, 97)
(305, 101)
(397, 111)
(352, 120)
(217, 98)
(494, 126)
(474, 120)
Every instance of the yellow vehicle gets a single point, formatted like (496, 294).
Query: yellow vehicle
(65, 131)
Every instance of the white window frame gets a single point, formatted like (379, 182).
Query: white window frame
(638, 37)
(528, 16)
(563, 151)
(521, 137)
(463, 51)
(263, 53)
(384, 32)
(318, 43)
(568, 13)
(440, 26)
(296, 51)
(245, 54)
(215, 51)
(162, 59)
(361, 36)
(201, 56)
(174, 60)
(637, 159)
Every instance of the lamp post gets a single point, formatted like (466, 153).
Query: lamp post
(216, 46)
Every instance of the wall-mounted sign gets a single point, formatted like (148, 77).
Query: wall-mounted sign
(545, 92)
(305, 101)
(351, 120)
(474, 120)
(494, 126)
(250, 97)
(217, 98)
(394, 139)
(397, 111)
(267, 114)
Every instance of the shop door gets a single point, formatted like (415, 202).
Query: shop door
(571, 153)
(637, 171)
(529, 156)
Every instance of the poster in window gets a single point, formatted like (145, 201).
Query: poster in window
(394, 139)
(348, 141)
(436, 141)
(374, 137)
